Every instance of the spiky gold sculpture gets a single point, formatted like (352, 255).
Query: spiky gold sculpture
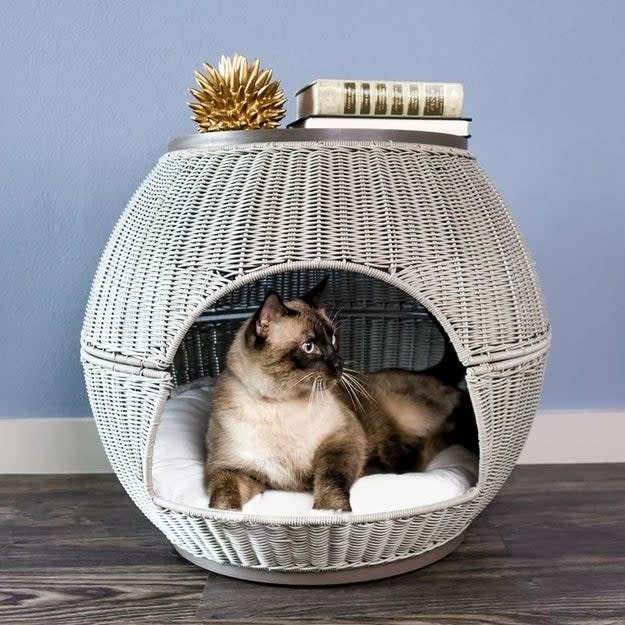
(236, 96)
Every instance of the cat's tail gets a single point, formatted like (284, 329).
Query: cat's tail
(449, 370)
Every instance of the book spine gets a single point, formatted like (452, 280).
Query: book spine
(384, 99)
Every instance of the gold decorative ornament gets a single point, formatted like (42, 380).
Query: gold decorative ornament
(236, 96)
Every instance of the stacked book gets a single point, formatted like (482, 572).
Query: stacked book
(390, 105)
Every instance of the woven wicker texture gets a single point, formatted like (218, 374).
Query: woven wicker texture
(402, 229)
(426, 216)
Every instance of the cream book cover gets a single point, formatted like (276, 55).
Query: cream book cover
(380, 98)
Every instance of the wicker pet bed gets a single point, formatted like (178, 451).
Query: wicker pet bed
(407, 226)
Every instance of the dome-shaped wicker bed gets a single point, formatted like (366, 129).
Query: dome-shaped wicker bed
(407, 226)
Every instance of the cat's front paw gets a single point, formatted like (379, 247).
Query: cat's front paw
(333, 503)
(223, 501)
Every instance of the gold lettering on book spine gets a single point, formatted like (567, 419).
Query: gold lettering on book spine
(365, 102)
(350, 98)
(397, 101)
(413, 100)
(380, 99)
(434, 101)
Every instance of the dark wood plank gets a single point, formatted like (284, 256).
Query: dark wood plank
(550, 550)
(75, 550)
(73, 520)
(116, 595)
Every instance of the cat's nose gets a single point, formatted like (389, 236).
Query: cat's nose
(335, 364)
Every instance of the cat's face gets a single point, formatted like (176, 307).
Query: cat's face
(295, 343)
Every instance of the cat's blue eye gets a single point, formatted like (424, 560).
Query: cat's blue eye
(308, 347)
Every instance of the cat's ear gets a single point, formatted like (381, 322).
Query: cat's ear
(313, 297)
(271, 309)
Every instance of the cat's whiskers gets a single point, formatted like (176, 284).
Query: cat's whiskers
(334, 313)
(361, 389)
(322, 392)
(353, 377)
(302, 379)
(351, 391)
(345, 385)
(317, 393)
(313, 391)
(358, 389)
(316, 397)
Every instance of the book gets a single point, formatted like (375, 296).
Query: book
(380, 98)
(458, 127)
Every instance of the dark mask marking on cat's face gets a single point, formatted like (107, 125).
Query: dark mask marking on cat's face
(294, 339)
(319, 351)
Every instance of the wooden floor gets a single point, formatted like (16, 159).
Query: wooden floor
(549, 550)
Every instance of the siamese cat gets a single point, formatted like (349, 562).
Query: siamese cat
(287, 414)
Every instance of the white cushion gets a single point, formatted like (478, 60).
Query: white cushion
(178, 470)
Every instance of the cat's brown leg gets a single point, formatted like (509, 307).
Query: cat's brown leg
(397, 455)
(231, 489)
(338, 461)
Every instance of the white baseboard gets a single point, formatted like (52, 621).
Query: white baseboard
(72, 445)
(55, 445)
(575, 436)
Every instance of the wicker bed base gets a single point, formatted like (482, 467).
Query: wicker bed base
(327, 578)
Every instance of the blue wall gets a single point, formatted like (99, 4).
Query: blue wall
(92, 91)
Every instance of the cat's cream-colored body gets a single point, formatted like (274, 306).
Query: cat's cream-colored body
(278, 439)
